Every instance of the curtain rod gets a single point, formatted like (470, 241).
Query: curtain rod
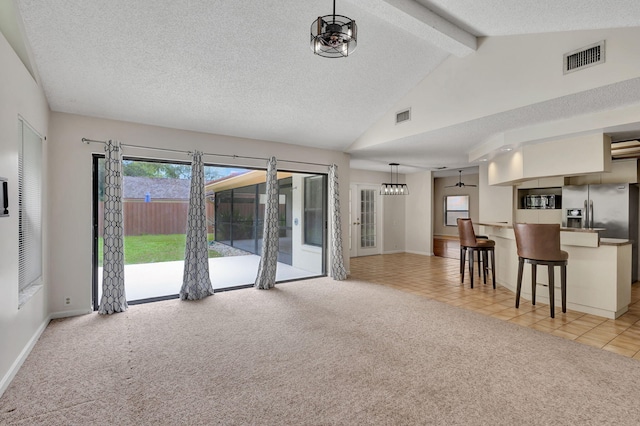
(88, 141)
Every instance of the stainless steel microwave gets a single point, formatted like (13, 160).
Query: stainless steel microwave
(541, 201)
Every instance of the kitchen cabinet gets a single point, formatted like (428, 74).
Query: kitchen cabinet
(588, 153)
(534, 187)
(622, 171)
(547, 182)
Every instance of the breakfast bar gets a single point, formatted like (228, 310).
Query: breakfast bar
(598, 270)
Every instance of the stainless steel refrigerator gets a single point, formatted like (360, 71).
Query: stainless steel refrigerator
(613, 207)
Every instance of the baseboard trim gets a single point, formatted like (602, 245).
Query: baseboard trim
(423, 253)
(13, 370)
(66, 314)
(393, 252)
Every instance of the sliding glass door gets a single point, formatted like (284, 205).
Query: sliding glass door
(155, 204)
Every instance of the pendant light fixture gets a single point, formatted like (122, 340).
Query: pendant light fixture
(394, 188)
(334, 36)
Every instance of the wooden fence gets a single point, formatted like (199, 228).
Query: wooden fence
(156, 217)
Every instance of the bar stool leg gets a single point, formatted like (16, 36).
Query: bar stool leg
(534, 279)
(519, 285)
(463, 252)
(471, 265)
(563, 286)
(493, 267)
(485, 265)
(551, 291)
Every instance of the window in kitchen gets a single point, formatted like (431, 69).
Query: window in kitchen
(455, 206)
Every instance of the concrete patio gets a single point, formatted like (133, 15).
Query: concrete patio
(143, 281)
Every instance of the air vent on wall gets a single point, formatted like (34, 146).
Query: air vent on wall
(403, 116)
(583, 58)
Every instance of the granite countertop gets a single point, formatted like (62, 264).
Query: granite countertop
(509, 226)
(614, 242)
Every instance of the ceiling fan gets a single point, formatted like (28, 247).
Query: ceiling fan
(460, 183)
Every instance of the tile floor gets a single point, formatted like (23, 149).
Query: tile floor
(438, 278)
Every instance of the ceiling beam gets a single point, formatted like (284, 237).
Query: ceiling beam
(423, 23)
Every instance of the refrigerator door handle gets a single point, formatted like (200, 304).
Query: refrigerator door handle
(590, 214)
(585, 216)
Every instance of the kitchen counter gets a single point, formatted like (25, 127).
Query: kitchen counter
(614, 242)
(508, 226)
(598, 270)
(579, 237)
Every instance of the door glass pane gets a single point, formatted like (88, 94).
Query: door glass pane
(285, 218)
(367, 218)
(222, 222)
(314, 196)
(244, 215)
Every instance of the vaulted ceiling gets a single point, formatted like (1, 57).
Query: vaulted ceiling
(246, 68)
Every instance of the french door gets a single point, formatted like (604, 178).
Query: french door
(364, 215)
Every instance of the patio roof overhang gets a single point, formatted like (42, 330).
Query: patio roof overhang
(250, 178)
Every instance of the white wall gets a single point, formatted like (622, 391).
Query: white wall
(495, 202)
(419, 213)
(70, 184)
(393, 210)
(499, 76)
(19, 96)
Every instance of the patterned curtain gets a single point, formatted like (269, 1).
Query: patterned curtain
(338, 272)
(266, 278)
(196, 283)
(113, 296)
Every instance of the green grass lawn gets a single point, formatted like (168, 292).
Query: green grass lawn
(153, 248)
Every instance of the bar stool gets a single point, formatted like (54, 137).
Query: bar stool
(484, 247)
(539, 244)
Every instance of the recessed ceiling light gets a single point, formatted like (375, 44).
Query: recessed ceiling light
(482, 159)
(506, 149)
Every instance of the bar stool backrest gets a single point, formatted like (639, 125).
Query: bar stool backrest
(539, 241)
(466, 232)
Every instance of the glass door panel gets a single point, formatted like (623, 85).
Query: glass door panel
(365, 226)
(155, 206)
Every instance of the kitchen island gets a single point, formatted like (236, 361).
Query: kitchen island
(598, 270)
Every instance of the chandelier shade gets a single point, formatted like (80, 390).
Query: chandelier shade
(334, 36)
(394, 188)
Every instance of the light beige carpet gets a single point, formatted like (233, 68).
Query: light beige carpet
(315, 352)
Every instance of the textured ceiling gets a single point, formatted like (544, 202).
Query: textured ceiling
(245, 68)
(233, 68)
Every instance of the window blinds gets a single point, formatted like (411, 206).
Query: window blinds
(29, 208)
